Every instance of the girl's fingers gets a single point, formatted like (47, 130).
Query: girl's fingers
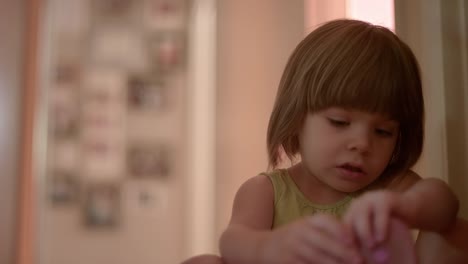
(369, 217)
(331, 239)
(361, 222)
(381, 224)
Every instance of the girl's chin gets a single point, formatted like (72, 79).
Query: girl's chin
(350, 187)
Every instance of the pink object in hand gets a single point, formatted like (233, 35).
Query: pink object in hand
(397, 249)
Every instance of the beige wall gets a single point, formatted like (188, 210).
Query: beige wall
(318, 11)
(151, 212)
(11, 57)
(254, 40)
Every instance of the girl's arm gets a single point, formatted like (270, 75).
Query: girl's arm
(426, 204)
(251, 220)
(249, 238)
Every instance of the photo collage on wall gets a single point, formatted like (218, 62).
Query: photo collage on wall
(115, 63)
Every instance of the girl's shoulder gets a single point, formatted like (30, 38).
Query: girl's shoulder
(275, 175)
(259, 185)
(253, 203)
(271, 184)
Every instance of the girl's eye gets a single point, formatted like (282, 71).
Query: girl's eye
(383, 132)
(338, 123)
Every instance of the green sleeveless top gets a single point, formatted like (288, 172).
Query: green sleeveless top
(291, 204)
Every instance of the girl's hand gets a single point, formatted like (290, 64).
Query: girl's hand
(317, 239)
(369, 216)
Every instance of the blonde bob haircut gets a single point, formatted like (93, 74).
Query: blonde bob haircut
(354, 65)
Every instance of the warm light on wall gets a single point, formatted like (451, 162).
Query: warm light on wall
(376, 12)
(379, 12)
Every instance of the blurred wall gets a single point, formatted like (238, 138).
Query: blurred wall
(255, 39)
(148, 211)
(454, 26)
(11, 58)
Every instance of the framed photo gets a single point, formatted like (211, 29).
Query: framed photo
(146, 198)
(102, 205)
(67, 74)
(120, 47)
(64, 112)
(64, 188)
(103, 159)
(103, 94)
(146, 93)
(161, 15)
(99, 121)
(114, 11)
(65, 122)
(148, 161)
(64, 155)
(167, 51)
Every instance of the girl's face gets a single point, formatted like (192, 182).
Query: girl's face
(346, 150)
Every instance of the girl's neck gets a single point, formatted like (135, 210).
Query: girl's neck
(312, 188)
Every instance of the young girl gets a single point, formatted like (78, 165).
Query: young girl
(349, 115)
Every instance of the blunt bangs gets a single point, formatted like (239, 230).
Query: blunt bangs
(365, 72)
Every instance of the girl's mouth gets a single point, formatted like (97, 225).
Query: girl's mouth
(352, 168)
(351, 172)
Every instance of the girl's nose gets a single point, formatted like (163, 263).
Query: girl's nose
(360, 142)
